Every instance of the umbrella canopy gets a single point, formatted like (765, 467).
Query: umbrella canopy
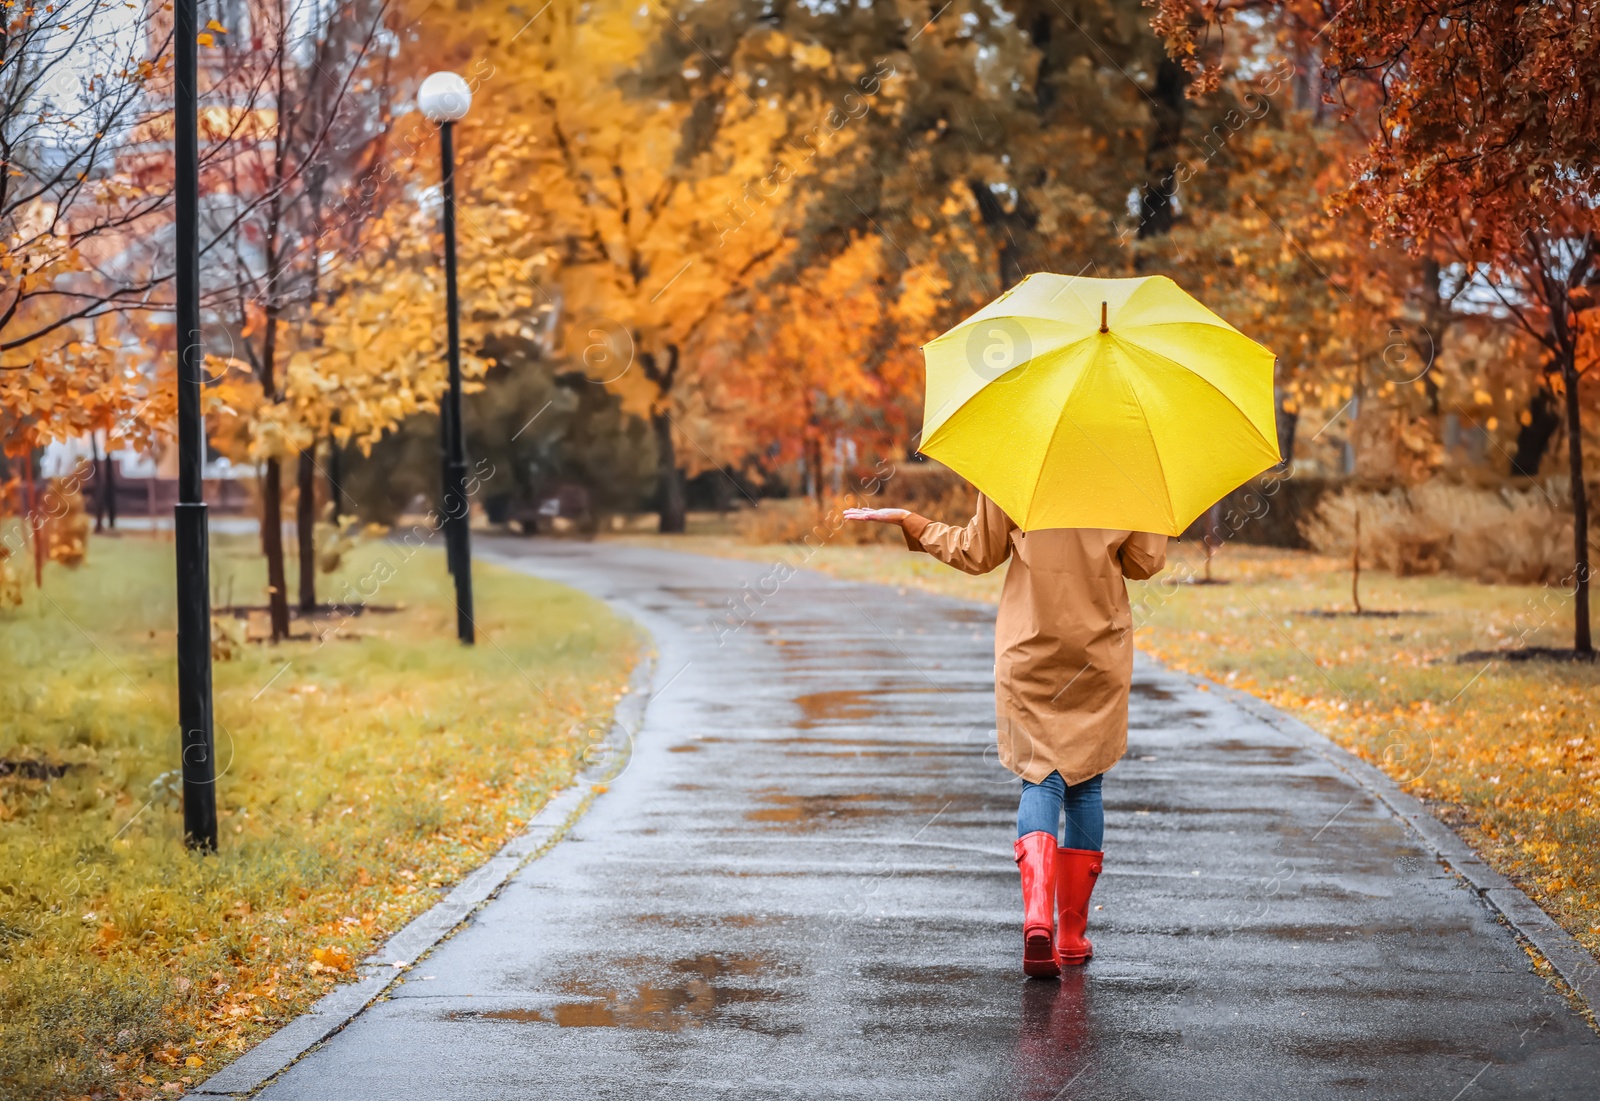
(1100, 403)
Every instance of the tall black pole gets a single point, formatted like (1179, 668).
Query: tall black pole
(458, 532)
(189, 515)
(446, 449)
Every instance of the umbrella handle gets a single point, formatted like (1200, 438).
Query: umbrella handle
(1103, 318)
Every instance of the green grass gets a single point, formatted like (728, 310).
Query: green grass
(1506, 752)
(360, 777)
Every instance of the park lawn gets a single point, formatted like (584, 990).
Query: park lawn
(361, 777)
(1506, 752)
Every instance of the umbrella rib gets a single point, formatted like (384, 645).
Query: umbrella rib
(1220, 323)
(965, 325)
(1216, 320)
(1144, 419)
(1223, 394)
(1044, 461)
(1031, 360)
(1066, 406)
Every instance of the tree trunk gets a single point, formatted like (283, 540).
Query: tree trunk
(1581, 641)
(1212, 538)
(673, 505)
(99, 484)
(1287, 424)
(818, 468)
(1355, 566)
(305, 522)
(335, 476)
(1156, 213)
(1533, 438)
(111, 489)
(272, 544)
(1008, 260)
(36, 522)
(1436, 317)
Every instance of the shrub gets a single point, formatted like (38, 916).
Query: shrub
(66, 524)
(1268, 510)
(1521, 536)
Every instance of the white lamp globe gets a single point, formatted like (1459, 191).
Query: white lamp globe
(444, 97)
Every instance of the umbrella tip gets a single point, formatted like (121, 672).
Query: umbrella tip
(1103, 318)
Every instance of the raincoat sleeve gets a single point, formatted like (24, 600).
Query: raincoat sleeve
(1142, 555)
(980, 546)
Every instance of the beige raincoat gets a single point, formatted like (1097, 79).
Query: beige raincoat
(1063, 641)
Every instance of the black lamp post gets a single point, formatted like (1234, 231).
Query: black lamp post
(190, 536)
(444, 98)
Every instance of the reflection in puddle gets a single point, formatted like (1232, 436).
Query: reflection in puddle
(1149, 691)
(707, 921)
(922, 974)
(1055, 1038)
(1409, 1045)
(780, 805)
(850, 705)
(812, 746)
(1276, 754)
(690, 993)
(929, 990)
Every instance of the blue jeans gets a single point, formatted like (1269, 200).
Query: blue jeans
(1043, 803)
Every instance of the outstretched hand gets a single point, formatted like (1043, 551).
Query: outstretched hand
(877, 515)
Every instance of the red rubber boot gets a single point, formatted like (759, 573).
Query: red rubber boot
(1076, 872)
(1036, 860)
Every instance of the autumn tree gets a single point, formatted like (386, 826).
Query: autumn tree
(76, 231)
(1480, 121)
(986, 143)
(299, 111)
(630, 215)
(753, 216)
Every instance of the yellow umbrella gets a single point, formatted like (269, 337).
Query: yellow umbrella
(1100, 403)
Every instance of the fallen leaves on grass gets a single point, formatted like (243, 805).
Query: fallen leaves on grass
(356, 787)
(333, 958)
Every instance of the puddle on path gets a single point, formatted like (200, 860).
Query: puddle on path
(682, 994)
(850, 705)
(923, 975)
(1278, 754)
(1370, 1047)
(782, 806)
(814, 746)
(707, 921)
(1147, 806)
(1144, 719)
(841, 706)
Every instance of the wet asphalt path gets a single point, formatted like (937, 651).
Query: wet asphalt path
(802, 887)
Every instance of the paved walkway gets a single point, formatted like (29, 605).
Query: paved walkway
(802, 887)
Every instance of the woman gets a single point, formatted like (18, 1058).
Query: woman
(1063, 664)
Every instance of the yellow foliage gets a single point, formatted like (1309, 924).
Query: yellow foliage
(372, 352)
(80, 379)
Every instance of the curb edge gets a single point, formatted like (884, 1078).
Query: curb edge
(382, 967)
(1571, 961)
